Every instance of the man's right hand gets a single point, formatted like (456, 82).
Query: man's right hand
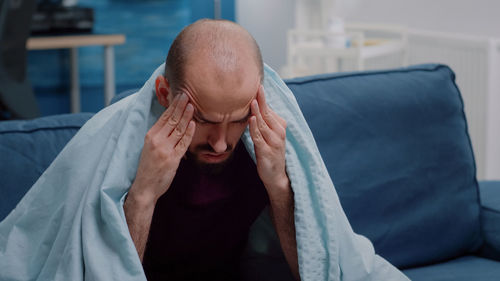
(164, 146)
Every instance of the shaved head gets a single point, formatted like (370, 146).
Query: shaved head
(221, 43)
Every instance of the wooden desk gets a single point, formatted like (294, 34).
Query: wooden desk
(73, 42)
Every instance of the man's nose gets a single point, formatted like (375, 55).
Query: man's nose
(217, 138)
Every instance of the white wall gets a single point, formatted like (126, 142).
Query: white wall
(269, 20)
(478, 17)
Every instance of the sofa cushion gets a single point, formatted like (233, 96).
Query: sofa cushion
(490, 218)
(27, 149)
(396, 146)
(462, 269)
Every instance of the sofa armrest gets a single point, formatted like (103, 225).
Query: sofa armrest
(490, 218)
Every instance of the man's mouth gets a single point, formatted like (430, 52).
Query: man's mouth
(208, 157)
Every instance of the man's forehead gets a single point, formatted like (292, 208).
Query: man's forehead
(216, 112)
(216, 90)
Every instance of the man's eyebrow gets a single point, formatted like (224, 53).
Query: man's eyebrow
(244, 119)
(200, 117)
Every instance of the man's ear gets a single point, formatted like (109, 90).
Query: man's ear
(162, 90)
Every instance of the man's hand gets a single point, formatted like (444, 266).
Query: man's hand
(268, 132)
(164, 146)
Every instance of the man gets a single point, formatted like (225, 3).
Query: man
(196, 190)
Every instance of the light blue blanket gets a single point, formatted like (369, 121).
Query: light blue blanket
(71, 224)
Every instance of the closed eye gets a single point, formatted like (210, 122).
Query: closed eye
(201, 120)
(243, 120)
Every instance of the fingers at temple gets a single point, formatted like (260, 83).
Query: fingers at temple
(164, 116)
(257, 138)
(266, 112)
(184, 142)
(262, 126)
(261, 99)
(181, 127)
(176, 115)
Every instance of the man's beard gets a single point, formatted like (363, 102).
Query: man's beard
(209, 168)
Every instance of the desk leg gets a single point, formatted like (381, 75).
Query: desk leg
(75, 81)
(109, 74)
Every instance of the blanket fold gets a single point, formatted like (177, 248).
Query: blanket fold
(71, 225)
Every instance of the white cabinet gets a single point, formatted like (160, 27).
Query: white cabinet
(319, 51)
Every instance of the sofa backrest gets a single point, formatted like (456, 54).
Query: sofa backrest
(27, 148)
(397, 148)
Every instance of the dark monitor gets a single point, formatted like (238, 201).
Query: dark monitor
(46, 3)
(52, 17)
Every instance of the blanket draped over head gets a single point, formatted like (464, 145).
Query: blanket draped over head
(71, 224)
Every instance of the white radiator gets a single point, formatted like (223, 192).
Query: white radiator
(476, 63)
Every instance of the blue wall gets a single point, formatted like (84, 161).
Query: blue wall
(149, 27)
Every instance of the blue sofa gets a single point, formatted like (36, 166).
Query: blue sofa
(396, 145)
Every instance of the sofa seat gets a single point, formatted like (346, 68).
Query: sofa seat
(465, 268)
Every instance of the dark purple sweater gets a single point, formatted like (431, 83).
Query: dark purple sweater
(200, 225)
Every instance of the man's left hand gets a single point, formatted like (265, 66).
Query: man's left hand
(268, 132)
